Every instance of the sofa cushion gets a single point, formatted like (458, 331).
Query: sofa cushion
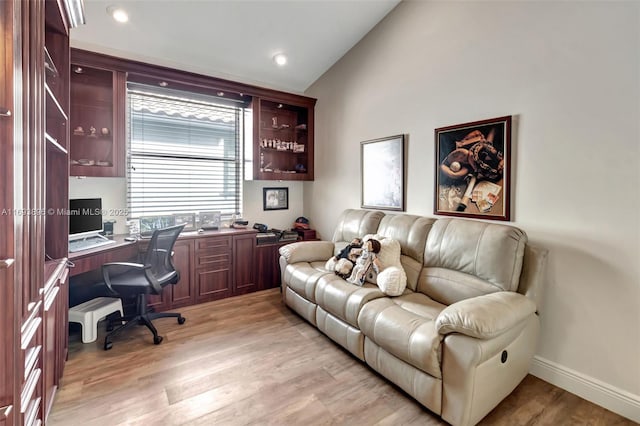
(342, 299)
(405, 327)
(302, 278)
(473, 257)
(354, 223)
(411, 232)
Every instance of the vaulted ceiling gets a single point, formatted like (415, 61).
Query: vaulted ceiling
(234, 39)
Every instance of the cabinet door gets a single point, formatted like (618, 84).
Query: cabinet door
(283, 139)
(243, 270)
(8, 343)
(97, 119)
(51, 312)
(267, 266)
(182, 293)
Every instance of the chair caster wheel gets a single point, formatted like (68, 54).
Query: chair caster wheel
(157, 340)
(181, 320)
(108, 345)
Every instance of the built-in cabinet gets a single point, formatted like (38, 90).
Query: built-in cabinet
(283, 123)
(211, 267)
(34, 127)
(97, 119)
(267, 265)
(283, 143)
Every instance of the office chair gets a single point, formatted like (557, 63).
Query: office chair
(137, 280)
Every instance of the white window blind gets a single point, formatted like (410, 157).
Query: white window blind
(184, 153)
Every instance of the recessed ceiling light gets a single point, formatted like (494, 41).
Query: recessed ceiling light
(280, 59)
(163, 84)
(118, 13)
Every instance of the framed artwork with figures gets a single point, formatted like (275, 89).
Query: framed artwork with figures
(473, 169)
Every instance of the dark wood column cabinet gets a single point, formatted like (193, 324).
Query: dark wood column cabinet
(34, 135)
(243, 257)
(182, 294)
(267, 266)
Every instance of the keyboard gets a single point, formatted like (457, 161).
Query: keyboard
(88, 243)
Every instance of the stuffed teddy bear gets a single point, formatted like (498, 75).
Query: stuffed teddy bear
(343, 262)
(368, 259)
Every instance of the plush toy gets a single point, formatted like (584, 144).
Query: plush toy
(343, 262)
(367, 259)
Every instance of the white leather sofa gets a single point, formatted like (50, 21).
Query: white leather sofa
(461, 336)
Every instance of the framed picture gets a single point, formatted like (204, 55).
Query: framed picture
(187, 219)
(473, 169)
(210, 220)
(382, 180)
(275, 198)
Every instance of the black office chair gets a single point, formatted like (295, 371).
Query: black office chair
(137, 280)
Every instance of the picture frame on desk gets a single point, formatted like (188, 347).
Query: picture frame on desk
(210, 220)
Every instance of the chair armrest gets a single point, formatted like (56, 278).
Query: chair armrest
(307, 251)
(486, 316)
(126, 264)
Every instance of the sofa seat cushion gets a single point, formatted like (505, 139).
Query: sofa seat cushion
(344, 300)
(405, 327)
(302, 278)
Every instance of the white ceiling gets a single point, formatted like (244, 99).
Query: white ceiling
(234, 39)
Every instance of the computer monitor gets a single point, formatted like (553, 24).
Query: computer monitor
(85, 217)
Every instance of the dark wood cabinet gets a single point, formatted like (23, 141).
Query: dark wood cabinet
(213, 268)
(243, 259)
(283, 139)
(97, 119)
(9, 324)
(267, 265)
(182, 294)
(34, 135)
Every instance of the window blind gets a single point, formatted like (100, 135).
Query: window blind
(183, 153)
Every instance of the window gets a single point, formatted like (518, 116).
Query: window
(184, 152)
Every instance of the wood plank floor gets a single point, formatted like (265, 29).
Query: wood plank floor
(249, 360)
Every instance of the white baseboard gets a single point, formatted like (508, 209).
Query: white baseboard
(613, 399)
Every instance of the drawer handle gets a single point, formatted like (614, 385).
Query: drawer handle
(5, 411)
(5, 112)
(6, 263)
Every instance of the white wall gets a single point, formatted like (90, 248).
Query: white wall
(569, 73)
(114, 200)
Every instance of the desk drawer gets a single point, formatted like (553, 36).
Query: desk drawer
(213, 260)
(214, 244)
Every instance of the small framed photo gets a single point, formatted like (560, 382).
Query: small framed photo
(275, 198)
(382, 180)
(148, 224)
(210, 220)
(187, 219)
(473, 169)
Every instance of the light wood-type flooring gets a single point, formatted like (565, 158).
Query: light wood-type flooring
(249, 360)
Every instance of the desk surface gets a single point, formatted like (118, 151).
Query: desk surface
(94, 258)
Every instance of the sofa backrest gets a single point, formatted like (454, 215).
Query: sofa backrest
(411, 231)
(354, 223)
(466, 258)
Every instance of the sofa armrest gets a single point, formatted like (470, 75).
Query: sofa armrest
(307, 251)
(486, 316)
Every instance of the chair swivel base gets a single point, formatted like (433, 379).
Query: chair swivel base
(143, 318)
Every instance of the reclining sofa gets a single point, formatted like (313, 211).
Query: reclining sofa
(460, 337)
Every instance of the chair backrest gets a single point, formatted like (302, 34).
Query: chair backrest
(158, 256)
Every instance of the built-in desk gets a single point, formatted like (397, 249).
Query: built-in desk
(89, 260)
(212, 265)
